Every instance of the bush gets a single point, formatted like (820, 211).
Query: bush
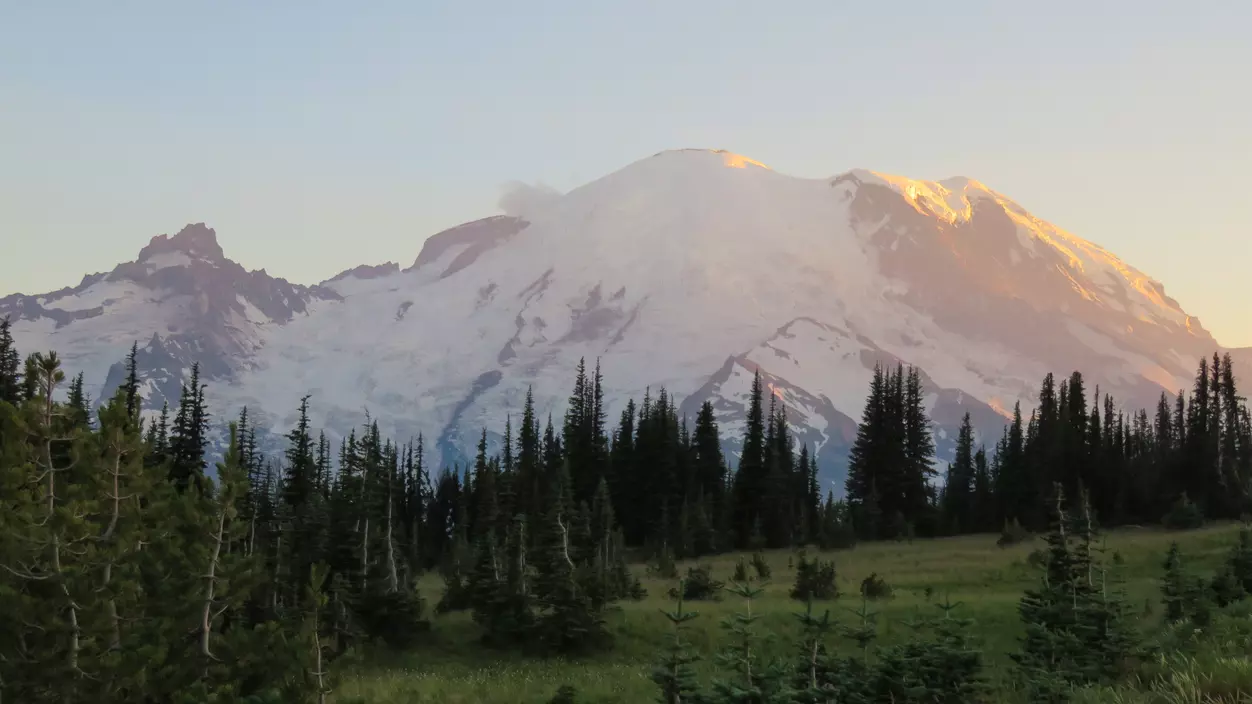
(624, 584)
(663, 565)
(565, 695)
(815, 579)
(699, 585)
(741, 571)
(1013, 534)
(456, 594)
(1183, 515)
(637, 592)
(1037, 559)
(395, 618)
(761, 566)
(839, 535)
(875, 587)
(1239, 561)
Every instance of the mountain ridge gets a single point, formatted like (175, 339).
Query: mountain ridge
(689, 270)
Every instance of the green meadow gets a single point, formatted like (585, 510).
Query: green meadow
(987, 580)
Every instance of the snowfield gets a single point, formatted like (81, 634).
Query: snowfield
(689, 270)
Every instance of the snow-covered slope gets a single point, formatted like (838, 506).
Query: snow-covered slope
(690, 270)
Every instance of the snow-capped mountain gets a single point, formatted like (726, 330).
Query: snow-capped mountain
(688, 270)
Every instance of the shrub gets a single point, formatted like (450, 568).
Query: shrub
(565, 695)
(623, 583)
(395, 618)
(456, 594)
(1226, 588)
(1037, 559)
(875, 587)
(741, 571)
(663, 565)
(815, 579)
(699, 585)
(762, 568)
(1013, 534)
(1183, 515)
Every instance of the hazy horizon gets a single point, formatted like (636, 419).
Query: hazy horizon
(315, 138)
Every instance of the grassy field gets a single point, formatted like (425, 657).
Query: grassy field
(988, 580)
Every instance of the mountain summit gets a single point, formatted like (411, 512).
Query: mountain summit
(196, 240)
(689, 270)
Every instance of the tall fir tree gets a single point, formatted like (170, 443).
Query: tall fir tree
(10, 365)
(752, 474)
(188, 437)
(958, 488)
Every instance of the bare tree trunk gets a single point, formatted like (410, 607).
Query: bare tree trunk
(252, 532)
(49, 385)
(115, 637)
(75, 630)
(393, 580)
(365, 552)
(278, 555)
(317, 649)
(206, 622)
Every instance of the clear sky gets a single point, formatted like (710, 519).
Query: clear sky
(315, 136)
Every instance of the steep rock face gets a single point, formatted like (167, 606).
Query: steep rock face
(454, 249)
(690, 270)
(182, 296)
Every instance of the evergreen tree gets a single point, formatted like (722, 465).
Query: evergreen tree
(818, 676)
(750, 678)
(507, 614)
(568, 620)
(782, 491)
(752, 475)
(708, 463)
(867, 457)
(1181, 593)
(983, 506)
(674, 674)
(299, 478)
(10, 363)
(78, 405)
(528, 485)
(919, 453)
(188, 439)
(30, 377)
(623, 484)
(1076, 630)
(131, 386)
(958, 489)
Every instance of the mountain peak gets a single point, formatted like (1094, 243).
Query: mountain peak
(196, 240)
(728, 159)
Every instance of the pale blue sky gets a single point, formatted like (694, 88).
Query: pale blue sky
(320, 135)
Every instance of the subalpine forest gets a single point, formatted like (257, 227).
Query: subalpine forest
(130, 572)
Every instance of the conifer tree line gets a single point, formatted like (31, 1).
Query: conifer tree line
(125, 576)
(1194, 453)
(120, 558)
